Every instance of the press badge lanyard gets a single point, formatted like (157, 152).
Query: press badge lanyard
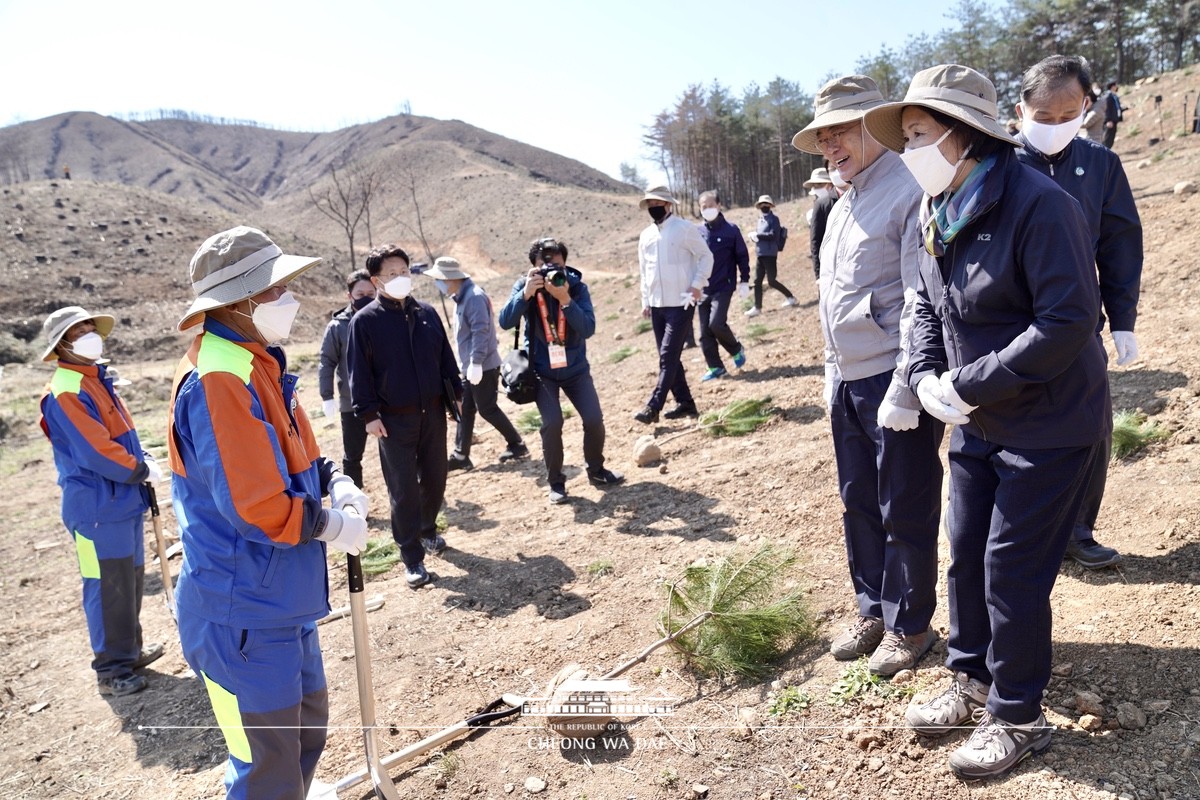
(554, 338)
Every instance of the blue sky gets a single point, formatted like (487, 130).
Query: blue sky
(580, 78)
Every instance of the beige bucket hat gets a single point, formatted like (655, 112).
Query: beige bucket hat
(236, 264)
(819, 177)
(840, 101)
(764, 200)
(446, 269)
(954, 90)
(59, 322)
(117, 378)
(657, 193)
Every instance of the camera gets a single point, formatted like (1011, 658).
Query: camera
(553, 275)
(545, 250)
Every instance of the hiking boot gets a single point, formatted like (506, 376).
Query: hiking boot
(788, 303)
(739, 360)
(646, 416)
(896, 652)
(1091, 554)
(150, 653)
(457, 461)
(605, 477)
(753, 312)
(435, 546)
(514, 451)
(416, 576)
(558, 494)
(682, 410)
(996, 747)
(713, 373)
(962, 702)
(121, 685)
(860, 639)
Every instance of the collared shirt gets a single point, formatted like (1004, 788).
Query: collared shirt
(674, 259)
(730, 255)
(869, 274)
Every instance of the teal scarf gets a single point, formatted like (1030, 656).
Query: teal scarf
(942, 217)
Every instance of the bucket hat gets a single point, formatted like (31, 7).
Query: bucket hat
(59, 322)
(234, 265)
(954, 90)
(838, 102)
(446, 269)
(117, 378)
(657, 193)
(764, 200)
(819, 177)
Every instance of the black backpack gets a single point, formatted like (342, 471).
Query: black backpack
(782, 237)
(517, 377)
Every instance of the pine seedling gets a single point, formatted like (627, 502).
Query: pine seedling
(754, 620)
(379, 556)
(1132, 432)
(738, 418)
(620, 354)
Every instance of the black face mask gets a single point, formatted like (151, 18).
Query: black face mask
(359, 303)
(657, 213)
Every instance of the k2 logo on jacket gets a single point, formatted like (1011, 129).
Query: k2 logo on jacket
(983, 237)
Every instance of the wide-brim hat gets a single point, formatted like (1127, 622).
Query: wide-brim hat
(59, 322)
(819, 177)
(954, 90)
(841, 101)
(446, 269)
(764, 200)
(657, 193)
(234, 265)
(117, 378)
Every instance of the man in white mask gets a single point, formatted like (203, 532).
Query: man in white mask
(886, 447)
(1053, 103)
(247, 489)
(403, 381)
(101, 469)
(820, 185)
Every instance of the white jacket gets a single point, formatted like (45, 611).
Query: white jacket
(674, 258)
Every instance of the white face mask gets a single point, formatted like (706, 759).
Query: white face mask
(931, 169)
(838, 181)
(88, 346)
(1049, 139)
(398, 287)
(821, 192)
(709, 214)
(273, 320)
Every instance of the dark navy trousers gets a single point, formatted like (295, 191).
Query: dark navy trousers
(1011, 515)
(413, 457)
(671, 326)
(715, 330)
(891, 485)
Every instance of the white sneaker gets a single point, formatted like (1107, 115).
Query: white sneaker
(791, 301)
(753, 312)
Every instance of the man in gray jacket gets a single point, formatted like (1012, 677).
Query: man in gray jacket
(333, 364)
(886, 449)
(479, 360)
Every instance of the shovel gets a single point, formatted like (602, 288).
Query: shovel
(160, 546)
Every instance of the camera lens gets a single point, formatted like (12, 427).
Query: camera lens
(558, 278)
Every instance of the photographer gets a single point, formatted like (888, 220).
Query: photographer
(557, 309)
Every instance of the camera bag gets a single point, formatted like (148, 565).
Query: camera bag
(517, 377)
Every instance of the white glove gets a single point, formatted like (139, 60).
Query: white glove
(929, 392)
(754, 236)
(743, 290)
(950, 395)
(155, 474)
(898, 419)
(329, 407)
(831, 374)
(474, 373)
(344, 494)
(689, 300)
(1126, 345)
(344, 530)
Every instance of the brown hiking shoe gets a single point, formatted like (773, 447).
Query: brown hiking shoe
(898, 652)
(859, 639)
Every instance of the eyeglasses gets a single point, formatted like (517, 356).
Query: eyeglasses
(833, 137)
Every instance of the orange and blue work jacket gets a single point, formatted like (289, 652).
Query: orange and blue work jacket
(247, 488)
(96, 449)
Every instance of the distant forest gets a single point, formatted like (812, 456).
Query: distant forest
(741, 145)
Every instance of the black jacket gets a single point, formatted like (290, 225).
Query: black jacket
(1011, 308)
(399, 356)
(816, 233)
(1094, 176)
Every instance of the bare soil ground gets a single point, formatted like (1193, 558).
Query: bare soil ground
(515, 600)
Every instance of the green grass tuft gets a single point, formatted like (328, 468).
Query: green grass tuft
(755, 620)
(1132, 432)
(613, 317)
(790, 701)
(857, 681)
(642, 325)
(530, 420)
(738, 418)
(757, 331)
(620, 354)
(598, 569)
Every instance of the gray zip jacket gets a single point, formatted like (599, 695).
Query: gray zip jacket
(475, 328)
(869, 273)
